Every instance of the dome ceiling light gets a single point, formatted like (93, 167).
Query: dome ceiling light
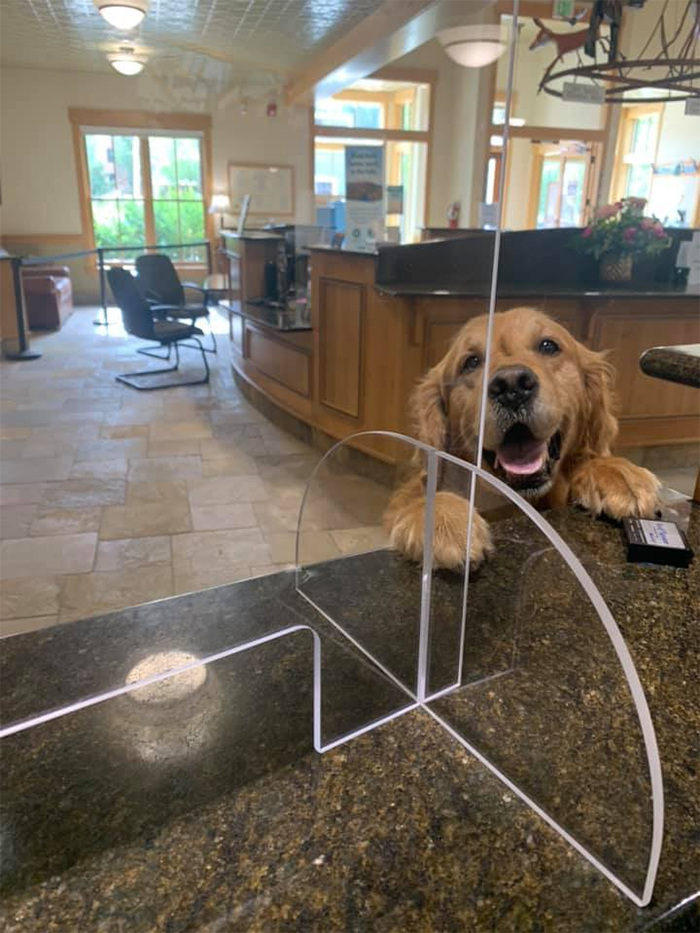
(126, 62)
(472, 46)
(125, 15)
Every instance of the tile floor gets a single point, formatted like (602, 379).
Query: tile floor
(111, 497)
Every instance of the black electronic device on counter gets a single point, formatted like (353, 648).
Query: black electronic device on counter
(652, 541)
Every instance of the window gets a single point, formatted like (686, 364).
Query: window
(391, 114)
(141, 184)
(639, 135)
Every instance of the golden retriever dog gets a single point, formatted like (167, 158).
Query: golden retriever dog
(548, 430)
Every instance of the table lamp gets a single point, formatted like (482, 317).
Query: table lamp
(220, 204)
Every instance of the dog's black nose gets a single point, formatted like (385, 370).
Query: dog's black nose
(513, 386)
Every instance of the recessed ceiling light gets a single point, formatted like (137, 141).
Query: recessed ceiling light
(125, 62)
(123, 15)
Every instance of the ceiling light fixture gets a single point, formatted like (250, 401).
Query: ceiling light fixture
(472, 46)
(124, 15)
(125, 62)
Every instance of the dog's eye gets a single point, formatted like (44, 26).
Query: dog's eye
(548, 346)
(471, 363)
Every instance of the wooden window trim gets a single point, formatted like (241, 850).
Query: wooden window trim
(138, 120)
(624, 138)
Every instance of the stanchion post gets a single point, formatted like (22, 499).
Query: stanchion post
(23, 352)
(103, 288)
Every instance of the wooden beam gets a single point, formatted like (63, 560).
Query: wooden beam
(551, 133)
(539, 8)
(139, 119)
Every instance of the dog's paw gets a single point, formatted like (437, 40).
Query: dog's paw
(406, 526)
(616, 487)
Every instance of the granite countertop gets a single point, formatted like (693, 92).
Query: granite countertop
(675, 364)
(534, 290)
(213, 812)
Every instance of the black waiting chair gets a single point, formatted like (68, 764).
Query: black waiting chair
(161, 285)
(140, 321)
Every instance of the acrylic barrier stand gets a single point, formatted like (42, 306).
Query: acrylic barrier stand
(519, 659)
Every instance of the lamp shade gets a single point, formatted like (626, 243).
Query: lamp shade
(126, 62)
(220, 204)
(472, 46)
(122, 14)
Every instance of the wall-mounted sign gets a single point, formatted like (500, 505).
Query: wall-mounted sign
(583, 93)
(364, 197)
(488, 214)
(692, 107)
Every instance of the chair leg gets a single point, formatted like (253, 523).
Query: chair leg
(148, 351)
(127, 378)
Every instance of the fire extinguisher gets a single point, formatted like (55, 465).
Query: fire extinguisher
(453, 215)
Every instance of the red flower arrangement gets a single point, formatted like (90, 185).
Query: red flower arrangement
(621, 229)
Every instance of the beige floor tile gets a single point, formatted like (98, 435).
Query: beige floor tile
(100, 469)
(192, 579)
(216, 448)
(217, 517)
(164, 491)
(9, 627)
(234, 465)
(23, 493)
(132, 552)
(35, 470)
(277, 515)
(121, 431)
(180, 430)
(25, 557)
(29, 596)
(91, 594)
(219, 490)
(16, 520)
(315, 546)
(145, 519)
(156, 469)
(264, 570)
(178, 448)
(83, 493)
(14, 434)
(211, 557)
(65, 521)
(124, 448)
(359, 540)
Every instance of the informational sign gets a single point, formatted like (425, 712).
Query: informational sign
(394, 199)
(563, 9)
(694, 261)
(583, 93)
(364, 197)
(692, 107)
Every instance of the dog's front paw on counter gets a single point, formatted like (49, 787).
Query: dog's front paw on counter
(406, 526)
(615, 487)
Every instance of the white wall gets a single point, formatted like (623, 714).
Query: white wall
(39, 189)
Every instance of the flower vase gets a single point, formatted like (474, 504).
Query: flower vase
(615, 268)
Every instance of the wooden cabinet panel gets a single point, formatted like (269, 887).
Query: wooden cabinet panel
(279, 361)
(341, 309)
(627, 336)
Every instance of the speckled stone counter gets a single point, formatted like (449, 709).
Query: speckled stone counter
(676, 364)
(215, 814)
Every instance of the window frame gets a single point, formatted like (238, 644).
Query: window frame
(115, 121)
(628, 118)
(390, 132)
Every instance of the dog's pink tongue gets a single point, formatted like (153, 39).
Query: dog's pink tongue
(522, 457)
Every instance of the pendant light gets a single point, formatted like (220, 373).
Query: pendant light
(125, 14)
(126, 62)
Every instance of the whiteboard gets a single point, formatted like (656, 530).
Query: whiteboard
(271, 188)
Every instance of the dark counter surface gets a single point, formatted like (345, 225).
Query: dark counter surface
(213, 813)
(268, 313)
(536, 290)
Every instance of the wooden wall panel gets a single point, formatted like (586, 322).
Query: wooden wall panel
(278, 361)
(341, 311)
(237, 331)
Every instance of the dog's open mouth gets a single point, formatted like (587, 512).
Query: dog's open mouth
(524, 461)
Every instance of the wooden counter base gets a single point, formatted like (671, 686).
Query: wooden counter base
(355, 370)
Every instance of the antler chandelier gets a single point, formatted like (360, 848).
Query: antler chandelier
(673, 66)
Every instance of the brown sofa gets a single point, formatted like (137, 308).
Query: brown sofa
(48, 296)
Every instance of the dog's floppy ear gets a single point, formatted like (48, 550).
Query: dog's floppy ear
(599, 425)
(429, 411)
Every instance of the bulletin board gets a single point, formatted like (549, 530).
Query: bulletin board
(271, 188)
